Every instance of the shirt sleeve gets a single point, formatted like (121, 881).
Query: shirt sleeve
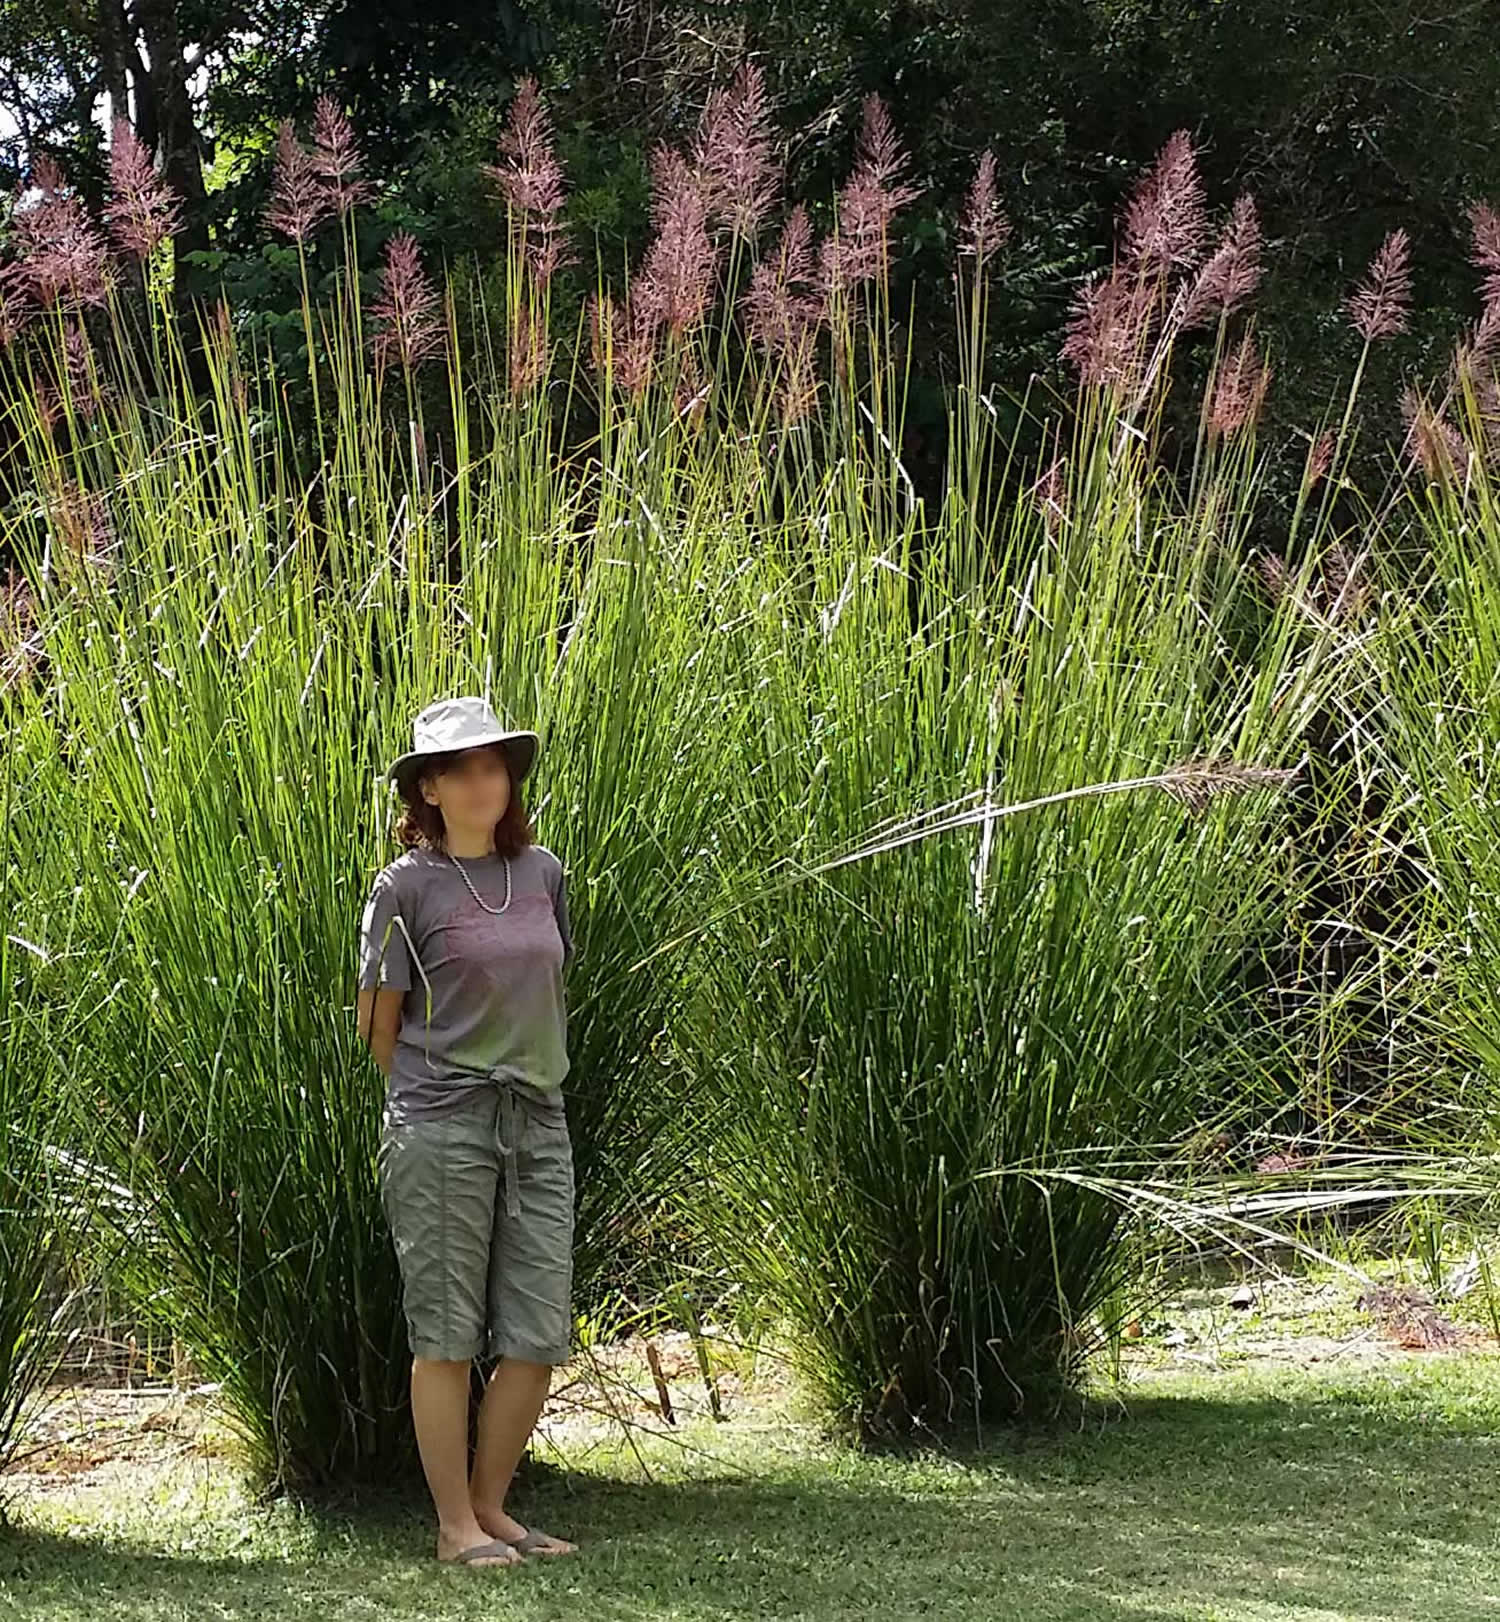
(560, 907)
(384, 961)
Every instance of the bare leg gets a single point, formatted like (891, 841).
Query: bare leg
(512, 1401)
(440, 1412)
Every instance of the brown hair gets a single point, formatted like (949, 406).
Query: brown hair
(421, 824)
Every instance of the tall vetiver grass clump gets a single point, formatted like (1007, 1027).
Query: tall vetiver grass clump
(224, 753)
(1015, 829)
(27, 1217)
(230, 652)
(49, 1188)
(1435, 660)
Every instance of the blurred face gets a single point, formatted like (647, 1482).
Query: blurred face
(472, 791)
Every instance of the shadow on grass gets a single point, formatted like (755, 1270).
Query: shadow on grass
(1375, 1500)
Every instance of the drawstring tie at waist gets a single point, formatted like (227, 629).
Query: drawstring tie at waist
(513, 1092)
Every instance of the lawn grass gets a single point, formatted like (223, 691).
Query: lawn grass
(1363, 1487)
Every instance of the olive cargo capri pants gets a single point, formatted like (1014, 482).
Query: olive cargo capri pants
(480, 1206)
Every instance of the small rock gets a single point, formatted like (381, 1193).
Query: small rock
(1243, 1298)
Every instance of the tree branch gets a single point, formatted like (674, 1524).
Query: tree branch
(224, 24)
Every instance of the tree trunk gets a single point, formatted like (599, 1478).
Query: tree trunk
(113, 61)
(177, 138)
(170, 116)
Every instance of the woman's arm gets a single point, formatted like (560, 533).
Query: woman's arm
(380, 1023)
(560, 910)
(384, 968)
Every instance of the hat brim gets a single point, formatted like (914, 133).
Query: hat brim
(520, 755)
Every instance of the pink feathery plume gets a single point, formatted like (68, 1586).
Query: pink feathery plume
(780, 304)
(15, 303)
(1319, 459)
(63, 258)
(1378, 307)
(677, 277)
(1485, 251)
(20, 636)
(528, 353)
(623, 342)
(1345, 588)
(1431, 439)
(635, 358)
(602, 316)
(1484, 343)
(530, 179)
(1275, 576)
(1050, 493)
(881, 152)
(1487, 400)
(1474, 355)
(869, 200)
(1231, 273)
(20, 640)
(143, 210)
(86, 391)
(220, 333)
(80, 520)
(48, 178)
(49, 404)
(690, 397)
(335, 157)
(734, 154)
(1239, 389)
(1165, 222)
(797, 397)
(983, 229)
(856, 250)
(1106, 336)
(299, 201)
(407, 309)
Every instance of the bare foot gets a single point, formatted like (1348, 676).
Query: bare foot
(500, 1525)
(451, 1545)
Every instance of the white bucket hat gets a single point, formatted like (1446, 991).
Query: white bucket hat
(462, 723)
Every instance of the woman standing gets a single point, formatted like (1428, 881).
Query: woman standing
(462, 950)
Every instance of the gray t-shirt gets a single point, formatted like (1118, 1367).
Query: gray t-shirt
(484, 993)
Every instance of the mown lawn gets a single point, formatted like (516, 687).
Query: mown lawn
(1352, 1490)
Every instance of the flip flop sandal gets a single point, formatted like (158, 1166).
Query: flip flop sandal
(484, 1551)
(534, 1540)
